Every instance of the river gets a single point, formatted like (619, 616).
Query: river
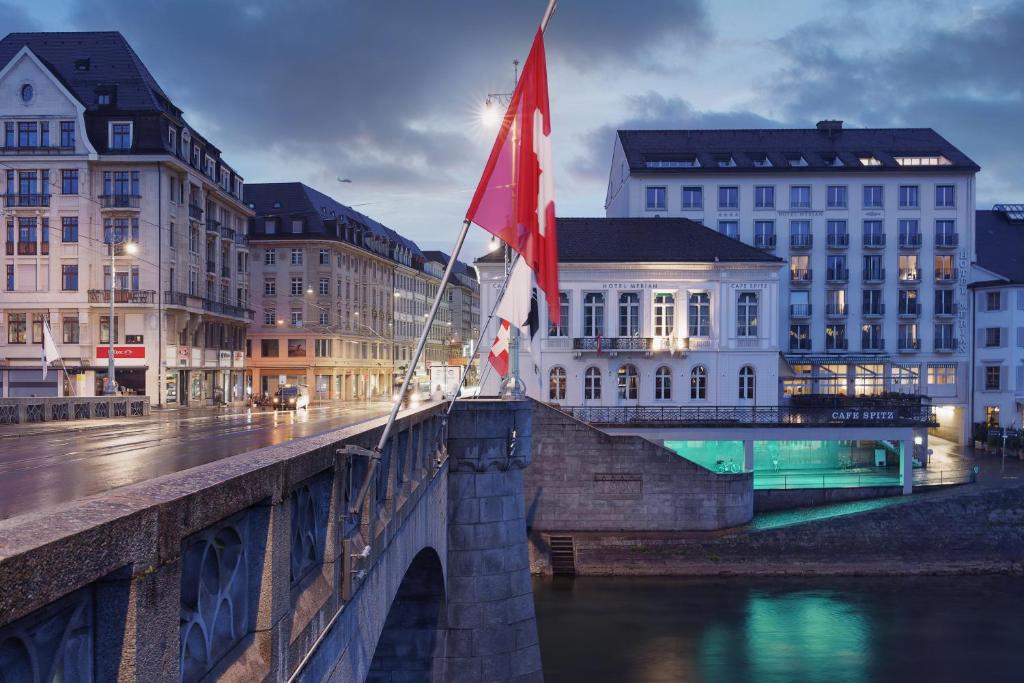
(834, 630)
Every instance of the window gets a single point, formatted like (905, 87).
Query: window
(105, 329)
(760, 160)
(800, 234)
(873, 234)
(67, 134)
(746, 315)
(296, 257)
(873, 197)
(993, 301)
(909, 233)
(322, 348)
(699, 383)
(693, 198)
(908, 302)
(908, 197)
(269, 348)
(800, 197)
(836, 197)
(800, 337)
(835, 337)
(296, 289)
(70, 330)
(941, 374)
(562, 329)
(835, 302)
(629, 383)
(993, 337)
(945, 196)
(944, 302)
(17, 325)
(837, 234)
(908, 337)
(871, 337)
(993, 377)
(729, 229)
(269, 316)
(746, 383)
(592, 384)
(270, 257)
(556, 384)
(69, 228)
(324, 286)
(593, 315)
(764, 234)
(944, 339)
(699, 314)
(728, 198)
(944, 268)
(663, 384)
(945, 233)
(28, 134)
(873, 268)
(656, 198)
(764, 197)
(664, 314)
(800, 268)
(121, 183)
(991, 416)
(296, 319)
(909, 270)
(270, 287)
(325, 257)
(69, 181)
(120, 136)
(69, 277)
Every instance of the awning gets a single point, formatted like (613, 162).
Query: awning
(846, 359)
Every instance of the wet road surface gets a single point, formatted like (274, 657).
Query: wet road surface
(47, 464)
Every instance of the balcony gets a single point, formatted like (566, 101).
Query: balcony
(37, 150)
(800, 310)
(764, 241)
(947, 240)
(909, 344)
(44, 248)
(211, 266)
(800, 242)
(909, 310)
(910, 241)
(9, 248)
(119, 201)
(942, 275)
(874, 241)
(612, 344)
(212, 226)
(872, 344)
(835, 310)
(874, 275)
(26, 248)
(838, 241)
(195, 212)
(227, 309)
(241, 240)
(874, 311)
(800, 276)
(837, 275)
(945, 344)
(122, 296)
(799, 344)
(18, 201)
(835, 344)
(946, 311)
(908, 277)
(175, 298)
(227, 233)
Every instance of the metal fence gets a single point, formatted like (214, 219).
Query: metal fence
(67, 408)
(908, 415)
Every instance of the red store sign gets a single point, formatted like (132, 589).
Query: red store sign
(121, 352)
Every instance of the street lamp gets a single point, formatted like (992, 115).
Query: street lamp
(129, 248)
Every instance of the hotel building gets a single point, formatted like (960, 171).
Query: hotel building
(95, 155)
(875, 227)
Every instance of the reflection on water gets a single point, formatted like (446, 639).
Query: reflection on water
(830, 629)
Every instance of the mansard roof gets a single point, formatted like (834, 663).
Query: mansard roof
(646, 240)
(661, 151)
(999, 243)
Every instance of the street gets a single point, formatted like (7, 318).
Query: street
(42, 465)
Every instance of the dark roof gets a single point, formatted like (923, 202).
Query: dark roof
(999, 244)
(111, 60)
(460, 267)
(645, 240)
(817, 146)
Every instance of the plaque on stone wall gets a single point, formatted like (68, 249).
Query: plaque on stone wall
(618, 485)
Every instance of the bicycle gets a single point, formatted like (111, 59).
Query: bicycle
(726, 467)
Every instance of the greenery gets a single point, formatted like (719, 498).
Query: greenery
(980, 432)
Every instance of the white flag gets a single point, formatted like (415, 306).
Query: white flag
(50, 352)
(519, 304)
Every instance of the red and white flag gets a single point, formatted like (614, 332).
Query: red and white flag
(498, 357)
(515, 200)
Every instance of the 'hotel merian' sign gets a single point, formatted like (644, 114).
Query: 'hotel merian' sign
(864, 415)
(631, 285)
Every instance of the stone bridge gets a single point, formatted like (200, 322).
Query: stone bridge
(266, 566)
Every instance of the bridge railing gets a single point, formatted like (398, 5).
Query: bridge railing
(233, 568)
(65, 408)
(731, 416)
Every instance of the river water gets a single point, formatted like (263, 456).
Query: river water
(834, 630)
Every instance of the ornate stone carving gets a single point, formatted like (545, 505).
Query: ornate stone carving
(54, 643)
(310, 505)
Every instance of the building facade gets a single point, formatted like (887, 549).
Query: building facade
(876, 228)
(464, 304)
(999, 317)
(96, 157)
(654, 312)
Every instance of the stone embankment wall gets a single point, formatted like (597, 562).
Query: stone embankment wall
(969, 529)
(583, 479)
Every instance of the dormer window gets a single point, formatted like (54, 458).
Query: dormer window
(185, 144)
(82, 64)
(923, 160)
(120, 134)
(833, 160)
(195, 155)
(725, 161)
(868, 160)
(761, 161)
(796, 160)
(681, 161)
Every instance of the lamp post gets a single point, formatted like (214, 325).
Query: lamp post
(129, 248)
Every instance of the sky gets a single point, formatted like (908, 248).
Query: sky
(389, 94)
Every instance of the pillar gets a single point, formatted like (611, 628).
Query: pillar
(907, 467)
(748, 456)
(492, 628)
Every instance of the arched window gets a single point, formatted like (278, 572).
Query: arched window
(556, 384)
(629, 382)
(746, 315)
(663, 384)
(700, 314)
(629, 314)
(592, 384)
(699, 383)
(746, 382)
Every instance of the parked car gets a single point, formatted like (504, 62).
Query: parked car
(291, 397)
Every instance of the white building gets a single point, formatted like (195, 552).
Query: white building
(95, 153)
(876, 228)
(999, 317)
(654, 312)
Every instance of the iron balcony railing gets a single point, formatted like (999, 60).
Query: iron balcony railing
(838, 241)
(764, 241)
(944, 275)
(800, 310)
(837, 275)
(241, 240)
(37, 150)
(227, 233)
(836, 344)
(212, 225)
(800, 275)
(910, 241)
(874, 311)
(946, 311)
(872, 241)
(874, 274)
(945, 344)
(835, 310)
(909, 310)
(122, 296)
(801, 241)
(227, 309)
(612, 343)
(947, 240)
(799, 344)
(175, 298)
(886, 415)
(119, 201)
(908, 344)
(870, 343)
(21, 200)
(27, 248)
(195, 212)
(908, 276)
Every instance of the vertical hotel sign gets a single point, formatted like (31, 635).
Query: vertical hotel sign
(963, 333)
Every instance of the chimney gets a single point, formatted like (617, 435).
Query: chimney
(830, 125)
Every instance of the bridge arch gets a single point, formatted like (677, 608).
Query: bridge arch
(411, 644)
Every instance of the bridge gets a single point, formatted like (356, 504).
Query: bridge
(297, 562)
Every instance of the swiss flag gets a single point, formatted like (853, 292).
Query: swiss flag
(515, 198)
(498, 356)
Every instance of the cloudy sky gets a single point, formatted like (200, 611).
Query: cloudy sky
(389, 93)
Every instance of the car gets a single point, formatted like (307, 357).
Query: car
(291, 397)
